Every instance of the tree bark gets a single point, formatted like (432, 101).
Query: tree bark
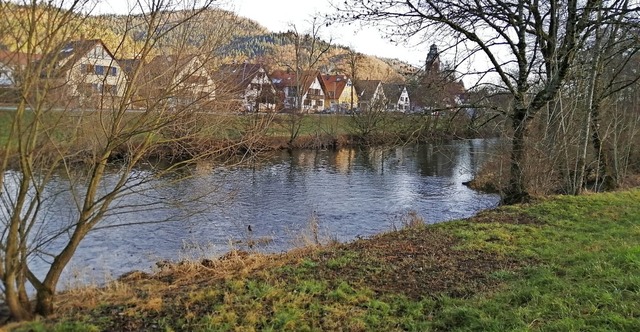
(607, 180)
(17, 309)
(516, 192)
(44, 301)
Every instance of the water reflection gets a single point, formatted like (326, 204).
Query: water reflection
(352, 192)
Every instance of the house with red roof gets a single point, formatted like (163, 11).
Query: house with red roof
(340, 94)
(12, 64)
(12, 69)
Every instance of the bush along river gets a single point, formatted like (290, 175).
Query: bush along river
(288, 199)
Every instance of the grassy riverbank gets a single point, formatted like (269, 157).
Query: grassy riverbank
(563, 263)
(256, 131)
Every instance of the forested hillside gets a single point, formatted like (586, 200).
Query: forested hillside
(233, 39)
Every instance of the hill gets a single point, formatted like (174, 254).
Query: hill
(233, 39)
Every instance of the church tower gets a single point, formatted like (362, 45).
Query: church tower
(432, 65)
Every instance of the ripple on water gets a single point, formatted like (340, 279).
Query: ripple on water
(352, 193)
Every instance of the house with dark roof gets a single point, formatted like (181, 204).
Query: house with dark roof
(175, 80)
(7, 74)
(12, 70)
(246, 86)
(303, 93)
(86, 71)
(370, 95)
(8, 93)
(12, 64)
(397, 97)
(339, 93)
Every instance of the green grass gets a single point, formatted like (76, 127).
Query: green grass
(563, 264)
(5, 127)
(588, 275)
(234, 127)
(334, 124)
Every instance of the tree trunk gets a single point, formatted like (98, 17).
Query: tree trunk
(606, 179)
(580, 177)
(44, 301)
(19, 312)
(516, 192)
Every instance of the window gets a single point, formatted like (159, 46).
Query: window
(113, 71)
(307, 102)
(99, 70)
(89, 69)
(99, 52)
(320, 103)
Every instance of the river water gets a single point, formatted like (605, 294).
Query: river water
(349, 193)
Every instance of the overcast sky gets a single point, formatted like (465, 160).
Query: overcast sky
(278, 15)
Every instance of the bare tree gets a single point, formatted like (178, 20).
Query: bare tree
(95, 143)
(353, 61)
(579, 132)
(308, 51)
(370, 120)
(614, 53)
(530, 45)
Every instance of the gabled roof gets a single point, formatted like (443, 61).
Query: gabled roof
(366, 88)
(416, 95)
(17, 59)
(335, 83)
(173, 62)
(164, 69)
(285, 78)
(78, 48)
(239, 74)
(393, 91)
(71, 52)
(235, 78)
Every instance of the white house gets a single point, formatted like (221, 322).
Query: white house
(370, 94)
(397, 97)
(247, 86)
(87, 70)
(312, 94)
(7, 76)
(180, 79)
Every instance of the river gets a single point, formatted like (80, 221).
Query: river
(274, 204)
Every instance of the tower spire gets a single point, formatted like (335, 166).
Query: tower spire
(433, 60)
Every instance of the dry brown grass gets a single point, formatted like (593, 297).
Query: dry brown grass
(142, 291)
